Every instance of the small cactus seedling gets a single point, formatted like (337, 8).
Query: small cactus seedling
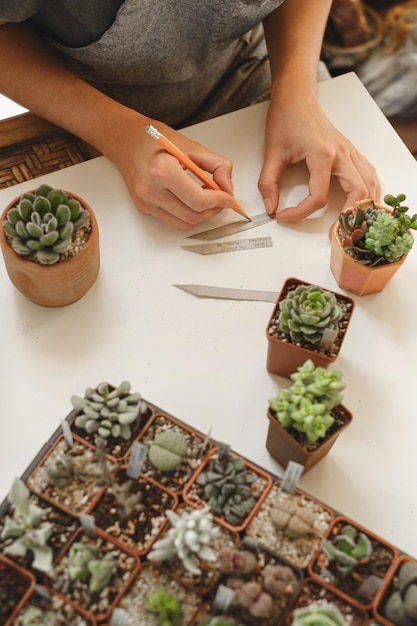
(109, 412)
(25, 526)
(307, 404)
(189, 538)
(40, 227)
(168, 451)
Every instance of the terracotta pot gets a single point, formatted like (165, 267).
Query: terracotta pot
(284, 357)
(284, 447)
(312, 591)
(387, 589)
(98, 606)
(88, 487)
(261, 485)
(61, 283)
(356, 277)
(380, 563)
(296, 549)
(16, 585)
(174, 480)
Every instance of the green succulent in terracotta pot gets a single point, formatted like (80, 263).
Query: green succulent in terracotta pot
(306, 417)
(369, 243)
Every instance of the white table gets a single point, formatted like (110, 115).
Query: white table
(204, 360)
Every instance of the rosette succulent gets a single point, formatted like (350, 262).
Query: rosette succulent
(375, 237)
(307, 404)
(108, 412)
(307, 312)
(189, 538)
(40, 227)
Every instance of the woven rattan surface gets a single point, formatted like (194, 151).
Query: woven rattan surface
(30, 147)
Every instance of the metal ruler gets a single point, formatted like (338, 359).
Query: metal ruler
(235, 227)
(231, 246)
(227, 293)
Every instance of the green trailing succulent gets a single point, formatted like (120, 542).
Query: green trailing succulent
(40, 227)
(189, 538)
(109, 412)
(323, 614)
(307, 312)
(375, 237)
(166, 607)
(307, 404)
(348, 548)
(227, 488)
(85, 564)
(26, 528)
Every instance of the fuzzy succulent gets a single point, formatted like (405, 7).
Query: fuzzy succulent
(108, 412)
(227, 488)
(165, 606)
(307, 404)
(348, 548)
(189, 538)
(26, 528)
(41, 225)
(307, 312)
(374, 236)
(323, 614)
(85, 564)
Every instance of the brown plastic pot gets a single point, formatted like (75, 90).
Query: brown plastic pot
(285, 448)
(356, 277)
(61, 283)
(382, 560)
(13, 580)
(284, 357)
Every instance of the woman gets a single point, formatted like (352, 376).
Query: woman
(106, 70)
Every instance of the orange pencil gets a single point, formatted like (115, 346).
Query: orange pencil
(189, 164)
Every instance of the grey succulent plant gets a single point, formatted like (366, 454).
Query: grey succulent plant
(85, 563)
(25, 525)
(189, 538)
(109, 412)
(306, 312)
(227, 488)
(40, 227)
(348, 548)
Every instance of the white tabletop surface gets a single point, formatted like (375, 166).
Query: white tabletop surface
(204, 360)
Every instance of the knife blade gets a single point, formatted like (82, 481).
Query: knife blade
(228, 293)
(235, 227)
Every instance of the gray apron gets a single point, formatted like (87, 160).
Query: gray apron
(179, 61)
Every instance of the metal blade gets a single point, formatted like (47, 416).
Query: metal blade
(235, 227)
(227, 293)
(231, 246)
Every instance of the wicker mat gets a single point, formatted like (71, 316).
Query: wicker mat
(30, 146)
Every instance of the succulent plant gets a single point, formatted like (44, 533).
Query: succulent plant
(168, 451)
(25, 526)
(227, 488)
(307, 312)
(251, 597)
(166, 607)
(219, 620)
(348, 548)
(401, 605)
(108, 412)
(323, 614)
(291, 519)
(373, 236)
(40, 227)
(307, 404)
(85, 564)
(232, 560)
(278, 580)
(188, 538)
